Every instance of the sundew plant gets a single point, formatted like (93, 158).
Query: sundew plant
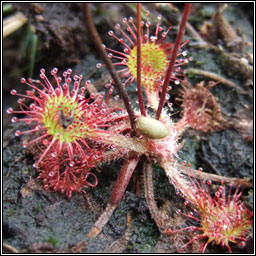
(71, 133)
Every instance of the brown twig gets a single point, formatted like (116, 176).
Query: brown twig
(98, 43)
(173, 59)
(13, 23)
(229, 35)
(140, 98)
(117, 193)
(10, 249)
(216, 77)
(102, 220)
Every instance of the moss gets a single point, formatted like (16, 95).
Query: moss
(145, 236)
(10, 211)
(36, 208)
(52, 240)
(249, 198)
(207, 11)
(226, 64)
(204, 59)
(195, 20)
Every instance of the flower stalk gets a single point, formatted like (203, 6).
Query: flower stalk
(173, 59)
(98, 43)
(139, 41)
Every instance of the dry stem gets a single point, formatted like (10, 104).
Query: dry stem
(13, 23)
(216, 77)
(98, 43)
(117, 193)
(102, 220)
(9, 248)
